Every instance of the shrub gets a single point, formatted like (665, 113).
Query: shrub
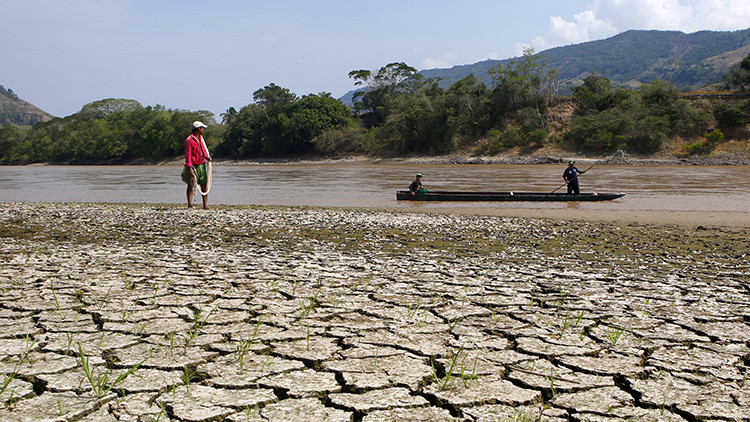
(537, 138)
(699, 148)
(648, 134)
(350, 139)
(599, 132)
(714, 137)
(730, 116)
(491, 144)
(511, 137)
(687, 121)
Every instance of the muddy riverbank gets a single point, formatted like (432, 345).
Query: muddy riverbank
(137, 312)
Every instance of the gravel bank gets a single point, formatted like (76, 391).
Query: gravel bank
(723, 158)
(135, 312)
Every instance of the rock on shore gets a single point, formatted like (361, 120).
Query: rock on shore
(139, 312)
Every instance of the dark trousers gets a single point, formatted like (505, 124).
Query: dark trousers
(573, 187)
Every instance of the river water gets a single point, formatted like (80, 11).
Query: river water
(647, 188)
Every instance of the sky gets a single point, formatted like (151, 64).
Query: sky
(211, 55)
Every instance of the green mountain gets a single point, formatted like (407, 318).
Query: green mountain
(14, 110)
(634, 57)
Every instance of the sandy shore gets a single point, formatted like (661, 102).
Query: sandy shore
(141, 312)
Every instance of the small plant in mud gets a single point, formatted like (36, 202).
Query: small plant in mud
(307, 336)
(614, 334)
(54, 298)
(102, 382)
(452, 323)
(266, 362)
(530, 417)
(79, 295)
(7, 380)
(445, 382)
(188, 375)
(28, 348)
(139, 328)
(467, 377)
(563, 325)
(162, 412)
(567, 322)
(551, 379)
(105, 299)
(70, 337)
(561, 304)
(240, 351)
(170, 337)
(198, 323)
(524, 417)
(307, 305)
(129, 283)
(412, 309)
(257, 328)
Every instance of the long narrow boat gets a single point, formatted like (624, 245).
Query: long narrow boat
(504, 196)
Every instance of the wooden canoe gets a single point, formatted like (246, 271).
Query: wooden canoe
(504, 196)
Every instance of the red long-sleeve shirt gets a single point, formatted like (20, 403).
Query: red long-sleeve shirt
(194, 152)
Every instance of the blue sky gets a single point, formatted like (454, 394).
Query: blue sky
(200, 55)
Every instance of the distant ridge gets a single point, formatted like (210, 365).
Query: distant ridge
(14, 110)
(689, 61)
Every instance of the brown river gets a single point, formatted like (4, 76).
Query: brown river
(647, 188)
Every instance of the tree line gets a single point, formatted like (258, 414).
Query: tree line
(398, 111)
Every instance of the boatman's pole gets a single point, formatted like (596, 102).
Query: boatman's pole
(567, 182)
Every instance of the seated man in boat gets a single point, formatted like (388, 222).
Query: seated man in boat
(571, 177)
(416, 185)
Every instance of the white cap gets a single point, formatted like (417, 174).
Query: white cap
(197, 124)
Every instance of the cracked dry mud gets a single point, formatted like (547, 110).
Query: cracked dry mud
(138, 312)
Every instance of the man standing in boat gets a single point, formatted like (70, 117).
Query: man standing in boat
(196, 155)
(416, 186)
(571, 178)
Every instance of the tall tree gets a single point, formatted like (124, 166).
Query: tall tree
(528, 82)
(227, 116)
(381, 86)
(272, 95)
(738, 76)
(280, 124)
(103, 108)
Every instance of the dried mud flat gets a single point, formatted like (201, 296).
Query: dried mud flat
(136, 312)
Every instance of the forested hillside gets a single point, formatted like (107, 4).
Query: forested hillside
(632, 58)
(109, 130)
(14, 110)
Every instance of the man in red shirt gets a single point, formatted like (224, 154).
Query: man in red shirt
(196, 155)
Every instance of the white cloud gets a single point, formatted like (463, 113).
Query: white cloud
(585, 26)
(605, 18)
(682, 15)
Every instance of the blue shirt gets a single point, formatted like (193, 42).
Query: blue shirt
(571, 174)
